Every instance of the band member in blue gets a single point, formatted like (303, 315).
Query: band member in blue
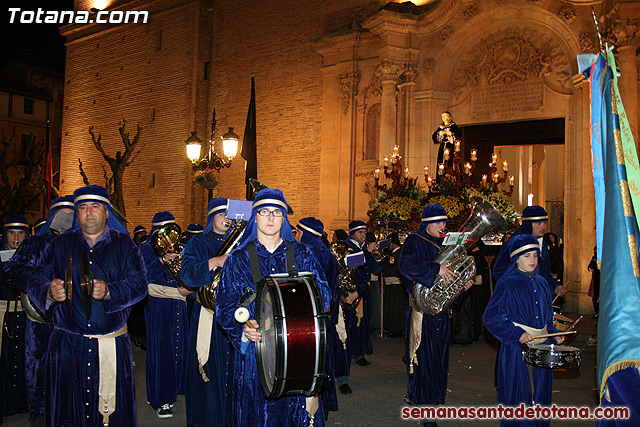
(269, 229)
(166, 320)
(519, 309)
(209, 351)
(358, 321)
(534, 222)
(12, 361)
(427, 337)
(192, 230)
(86, 281)
(310, 233)
(37, 334)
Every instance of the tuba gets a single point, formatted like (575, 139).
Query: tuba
(347, 282)
(166, 239)
(207, 294)
(440, 296)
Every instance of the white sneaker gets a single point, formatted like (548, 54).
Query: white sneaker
(164, 411)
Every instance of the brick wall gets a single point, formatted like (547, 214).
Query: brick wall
(116, 72)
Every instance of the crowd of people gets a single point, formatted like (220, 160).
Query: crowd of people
(66, 348)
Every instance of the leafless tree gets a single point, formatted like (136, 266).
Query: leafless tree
(21, 173)
(117, 164)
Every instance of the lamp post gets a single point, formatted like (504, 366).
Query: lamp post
(211, 163)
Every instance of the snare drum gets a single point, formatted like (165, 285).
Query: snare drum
(563, 323)
(552, 356)
(291, 356)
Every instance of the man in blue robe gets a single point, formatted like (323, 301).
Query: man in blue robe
(167, 324)
(90, 379)
(191, 231)
(534, 222)
(209, 351)
(358, 321)
(37, 334)
(269, 229)
(426, 337)
(310, 233)
(12, 361)
(519, 309)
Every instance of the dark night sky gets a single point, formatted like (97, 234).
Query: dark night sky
(40, 45)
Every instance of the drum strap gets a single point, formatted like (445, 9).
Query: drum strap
(255, 263)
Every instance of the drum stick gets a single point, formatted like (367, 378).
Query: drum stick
(553, 335)
(573, 325)
(558, 296)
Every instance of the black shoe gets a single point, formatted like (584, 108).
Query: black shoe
(164, 411)
(363, 362)
(345, 389)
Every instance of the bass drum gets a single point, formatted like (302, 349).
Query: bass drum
(552, 356)
(292, 354)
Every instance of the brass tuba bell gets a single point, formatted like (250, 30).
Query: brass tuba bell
(166, 239)
(440, 296)
(346, 279)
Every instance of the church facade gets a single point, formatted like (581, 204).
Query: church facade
(338, 84)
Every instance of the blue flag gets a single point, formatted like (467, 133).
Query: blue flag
(615, 160)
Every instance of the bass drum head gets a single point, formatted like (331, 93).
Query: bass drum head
(267, 311)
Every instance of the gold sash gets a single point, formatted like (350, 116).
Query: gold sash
(203, 340)
(4, 312)
(160, 291)
(533, 332)
(415, 334)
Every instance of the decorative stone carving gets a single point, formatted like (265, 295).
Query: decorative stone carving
(513, 54)
(374, 88)
(429, 66)
(347, 85)
(507, 70)
(622, 32)
(567, 13)
(389, 70)
(470, 11)
(409, 73)
(587, 42)
(447, 31)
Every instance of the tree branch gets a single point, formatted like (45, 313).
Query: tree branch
(85, 179)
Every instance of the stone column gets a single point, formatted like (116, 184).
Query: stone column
(389, 72)
(406, 111)
(628, 85)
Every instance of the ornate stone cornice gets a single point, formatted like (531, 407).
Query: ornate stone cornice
(567, 13)
(430, 21)
(389, 70)
(333, 44)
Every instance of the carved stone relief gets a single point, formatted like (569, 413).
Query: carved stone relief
(347, 85)
(587, 42)
(515, 56)
(374, 88)
(409, 73)
(567, 13)
(389, 70)
(429, 66)
(470, 11)
(447, 31)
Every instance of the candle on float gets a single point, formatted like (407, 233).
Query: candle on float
(505, 166)
(467, 168)
(441, 169)
(396, 150)
(474, 155)
(426, 170)
(494, 157)
(446, 154)
(429, 181)
(385, 162)
(406, 172)
(376, 173)
(457, 146)
(484, 179)
(495, 177)
(511, 178)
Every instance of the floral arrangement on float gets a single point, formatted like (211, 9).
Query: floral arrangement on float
(396, 206)
(207, 177)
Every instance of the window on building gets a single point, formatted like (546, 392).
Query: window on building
(159, 39)
(372, 141)
(207, 70)
(29, 105)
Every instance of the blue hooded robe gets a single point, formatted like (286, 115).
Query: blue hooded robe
(72, 376)
(37, 335)
(206, 402)
(428, 382)
(167, 326)
(250, 407)
(524, 299)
